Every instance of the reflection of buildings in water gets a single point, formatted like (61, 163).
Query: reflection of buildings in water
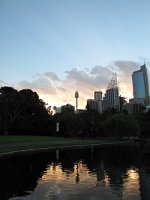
(77, 173)
(102, 177)
(55, 179)
(124, 185)
(100, 171)
(115, 181)
(77, 178)
(55, 172)
(115, 175)
(58, 183)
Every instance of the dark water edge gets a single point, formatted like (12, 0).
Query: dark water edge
(114, 172)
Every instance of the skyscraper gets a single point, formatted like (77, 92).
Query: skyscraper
(96, 103)
(98, 99)
(141, 86)
(111, 98)
(98, 95)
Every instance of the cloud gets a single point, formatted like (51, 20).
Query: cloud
(96, 77)
(52, 76)
(48, 86)
(2, 83)
(55, 91)
(124, 71)
(41, 85)
(126, 68)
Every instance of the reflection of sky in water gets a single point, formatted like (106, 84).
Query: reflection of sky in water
(81, 183)
(131, 185)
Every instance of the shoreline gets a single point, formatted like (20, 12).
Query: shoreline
(30, 151)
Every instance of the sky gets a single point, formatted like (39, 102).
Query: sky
(56, 47)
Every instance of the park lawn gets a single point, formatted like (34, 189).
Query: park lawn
(17, 143)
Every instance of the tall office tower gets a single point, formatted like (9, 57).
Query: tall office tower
(141, 86)
(111, 98)
(96, 103)
(98, 99)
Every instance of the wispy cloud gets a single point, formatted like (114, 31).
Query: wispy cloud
(2, 83)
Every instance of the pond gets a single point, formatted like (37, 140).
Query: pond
(116, 173)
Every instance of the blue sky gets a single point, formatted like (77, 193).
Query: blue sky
(54, 45)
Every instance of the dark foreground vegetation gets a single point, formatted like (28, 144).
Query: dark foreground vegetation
(13, 143)
(23, 113)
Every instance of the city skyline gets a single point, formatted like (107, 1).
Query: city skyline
(58, 47)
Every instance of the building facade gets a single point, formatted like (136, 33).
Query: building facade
(141, 86)
(133, 108)
(96, 103)
(111, 97)
(98, 95)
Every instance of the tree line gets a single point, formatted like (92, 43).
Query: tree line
(24, 113)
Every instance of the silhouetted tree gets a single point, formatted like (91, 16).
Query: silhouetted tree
(67, 120)
(67, 108)
(35, 117)
(121, 125)
(23, 112)
(122, 100)
(10, 108)
(144, 123)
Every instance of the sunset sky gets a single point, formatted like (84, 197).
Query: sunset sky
(56, 47)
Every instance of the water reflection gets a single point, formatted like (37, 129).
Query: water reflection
(115, 173)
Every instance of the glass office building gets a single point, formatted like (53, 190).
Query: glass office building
(141, 86)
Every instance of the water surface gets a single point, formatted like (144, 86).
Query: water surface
(116, 173)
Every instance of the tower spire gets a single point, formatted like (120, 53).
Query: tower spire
(113, 82)
(76, 96)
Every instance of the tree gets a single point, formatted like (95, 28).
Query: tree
(23, 112)
(35, 117)
(10, 108)
(120, 125)
(67, 120)
(122, 101)
(67, 108)
(144, 123)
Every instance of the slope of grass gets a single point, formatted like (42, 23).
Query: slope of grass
(16, 143)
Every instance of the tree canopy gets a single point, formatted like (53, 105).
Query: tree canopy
(22, 112)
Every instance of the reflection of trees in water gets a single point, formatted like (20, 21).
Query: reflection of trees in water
(144, 177)
(20, 174)
(146, 163)
(112, 162)
(109, 165)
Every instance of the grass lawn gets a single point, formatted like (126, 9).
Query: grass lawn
(16, 143)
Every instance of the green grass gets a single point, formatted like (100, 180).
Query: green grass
(16, 143)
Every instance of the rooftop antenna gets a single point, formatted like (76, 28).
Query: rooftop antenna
(113, 83)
